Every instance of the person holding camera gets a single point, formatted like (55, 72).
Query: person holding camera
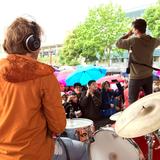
(140, 47)
(90, 103)
(72, 106)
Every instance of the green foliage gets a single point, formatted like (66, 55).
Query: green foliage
(152, 16)
(70, 50)
(101, 28)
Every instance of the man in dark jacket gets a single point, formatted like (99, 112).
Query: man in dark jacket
(90, 103)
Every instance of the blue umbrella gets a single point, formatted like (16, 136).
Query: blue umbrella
(84, 74)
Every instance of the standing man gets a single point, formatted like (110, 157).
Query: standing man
(141, 47)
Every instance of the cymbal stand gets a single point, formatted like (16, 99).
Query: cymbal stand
(150, 143)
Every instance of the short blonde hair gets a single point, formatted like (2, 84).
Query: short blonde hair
(17, 32)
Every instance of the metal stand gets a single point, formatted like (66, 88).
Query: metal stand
(150, 143)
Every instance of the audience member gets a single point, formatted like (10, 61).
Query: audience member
(72, 106)
(125, 92)
(108, 100)
(90, 103)
(64, 98)
(78, 89)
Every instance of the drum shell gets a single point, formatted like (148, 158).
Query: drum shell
(108, 145)
(83, 132)
(142, 143)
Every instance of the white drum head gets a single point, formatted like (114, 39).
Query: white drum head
(78, 123)
(108, 146)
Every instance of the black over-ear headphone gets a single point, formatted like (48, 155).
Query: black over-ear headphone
(32, 41)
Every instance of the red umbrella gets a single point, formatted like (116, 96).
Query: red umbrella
(111, 79)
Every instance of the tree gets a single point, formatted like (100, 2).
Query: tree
(69, 53)
(97, 35)
(151, 15)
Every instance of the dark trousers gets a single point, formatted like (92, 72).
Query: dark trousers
(136, 84)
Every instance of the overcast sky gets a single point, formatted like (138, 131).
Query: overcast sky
(56, 16)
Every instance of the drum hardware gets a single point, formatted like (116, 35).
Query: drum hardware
(106, 126)
(114, 135)
(157, 132)
(150, 142)
(91, 132)
(157, 137)
(64, 146)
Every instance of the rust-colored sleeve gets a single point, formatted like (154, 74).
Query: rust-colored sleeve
(52, 105)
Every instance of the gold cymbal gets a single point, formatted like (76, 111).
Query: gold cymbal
(140, 118)
(115, 116)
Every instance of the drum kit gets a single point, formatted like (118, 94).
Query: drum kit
(135, 134)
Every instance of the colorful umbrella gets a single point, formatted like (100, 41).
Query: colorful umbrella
(63, 74)
(85, 74)
(111, 79)
(157, 73)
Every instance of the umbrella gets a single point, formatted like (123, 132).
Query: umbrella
(85, 74)
(62, 82)
(111, 79)
(156, 73)
(155, 76)
(56, 73)
(62, 75)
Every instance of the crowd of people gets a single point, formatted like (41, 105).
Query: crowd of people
(92, 102)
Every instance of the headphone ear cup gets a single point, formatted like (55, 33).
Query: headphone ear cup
(32, 43)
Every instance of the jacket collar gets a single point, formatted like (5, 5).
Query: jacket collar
(18, 68)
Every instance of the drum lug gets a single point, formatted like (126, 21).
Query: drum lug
(91, 139)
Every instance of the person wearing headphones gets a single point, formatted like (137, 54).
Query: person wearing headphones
(31, 111)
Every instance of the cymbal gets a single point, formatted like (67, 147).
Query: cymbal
(78, 123)
(140, 118)
(115, 116)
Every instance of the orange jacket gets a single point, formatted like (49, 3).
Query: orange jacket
(30, 106)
